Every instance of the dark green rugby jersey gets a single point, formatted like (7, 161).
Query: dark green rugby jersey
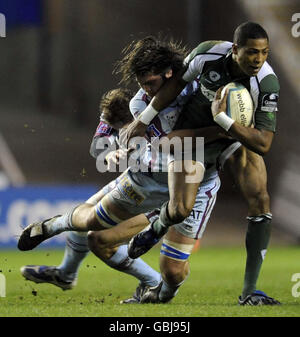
(208, 64)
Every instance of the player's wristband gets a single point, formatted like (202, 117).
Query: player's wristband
(148, 114)
(223, 120)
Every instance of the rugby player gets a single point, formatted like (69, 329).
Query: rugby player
(218, 63)
(114, 109)
(112, 209)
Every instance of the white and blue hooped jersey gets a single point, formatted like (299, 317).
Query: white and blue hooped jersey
(162, 124)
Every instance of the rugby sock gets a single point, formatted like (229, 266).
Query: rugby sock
(257, 240)
(161, 225)
(60, 223)
(167, 291)
(135, 267)
(76, 250)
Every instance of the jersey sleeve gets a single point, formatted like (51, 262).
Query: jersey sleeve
(103, 130)
(267, 103)
(138, 103)
(195, 61)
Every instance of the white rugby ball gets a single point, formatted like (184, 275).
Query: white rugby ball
(239, 103)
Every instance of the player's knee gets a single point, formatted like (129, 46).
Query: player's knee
(84, 214)
(178, 211)
(94, 241)
(174, 273)
(263, 199)
(259, 202)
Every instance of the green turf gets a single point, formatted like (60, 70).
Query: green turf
(211, 289)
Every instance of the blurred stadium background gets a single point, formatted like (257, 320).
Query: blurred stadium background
(56, 62)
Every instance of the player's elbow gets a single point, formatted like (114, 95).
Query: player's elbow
(262, 149)
(96, 241)
(98, 246)
(263, 146)
(260, 143)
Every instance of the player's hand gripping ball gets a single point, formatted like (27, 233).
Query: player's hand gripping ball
(239, 104)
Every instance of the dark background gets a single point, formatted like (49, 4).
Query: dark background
(57, 60)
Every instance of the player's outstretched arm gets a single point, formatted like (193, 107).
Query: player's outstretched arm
(210, 133)
(164, 97)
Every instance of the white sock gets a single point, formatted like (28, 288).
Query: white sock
(60, 224)
(76, 250)
(135, 267)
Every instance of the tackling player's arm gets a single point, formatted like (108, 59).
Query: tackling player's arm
(107, 149)
(210, 134)
(103, 130)
(165, 96)
(167, 93)
(191, 68)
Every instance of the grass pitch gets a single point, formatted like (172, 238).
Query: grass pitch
(211, 290)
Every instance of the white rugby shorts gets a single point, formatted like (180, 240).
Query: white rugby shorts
(145, 193)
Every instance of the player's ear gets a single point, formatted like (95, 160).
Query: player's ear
(169, 73)
(234, 49)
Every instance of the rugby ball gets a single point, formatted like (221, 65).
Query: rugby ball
(239, 103)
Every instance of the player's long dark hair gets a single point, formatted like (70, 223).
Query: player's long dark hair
(114, 106)
(150, 54)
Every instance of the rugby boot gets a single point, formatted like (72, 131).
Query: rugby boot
(46, 274)
(34, 234)
(258, 297)
(136, 297)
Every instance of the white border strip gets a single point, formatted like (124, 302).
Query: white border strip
(10, 165)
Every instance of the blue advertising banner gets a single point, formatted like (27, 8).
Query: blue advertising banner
(21, 206)
(18, 12)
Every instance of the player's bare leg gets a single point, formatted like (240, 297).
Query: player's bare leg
(82, 218)
(114, 256)
(183, 187)
(174, 267)
(251, 177)
(124, 231)
(107, 245)
(65, 275)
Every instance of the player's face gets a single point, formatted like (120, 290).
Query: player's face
(151, 83)
(251, 57)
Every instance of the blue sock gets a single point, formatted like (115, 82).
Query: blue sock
(76, 250)
(135, 267)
